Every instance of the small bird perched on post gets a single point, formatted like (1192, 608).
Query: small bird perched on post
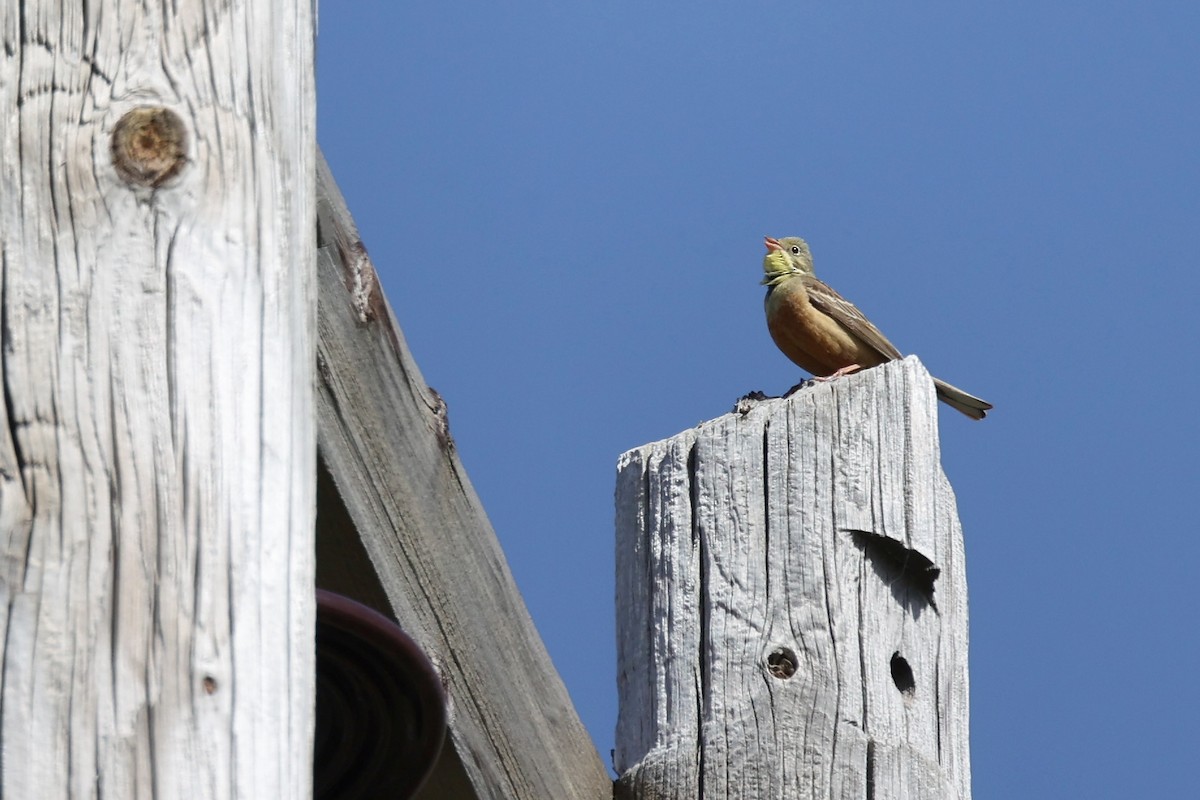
(824, 333)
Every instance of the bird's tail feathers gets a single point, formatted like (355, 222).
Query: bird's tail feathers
(957, 399)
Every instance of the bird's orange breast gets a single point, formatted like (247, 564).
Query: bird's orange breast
(810, 338)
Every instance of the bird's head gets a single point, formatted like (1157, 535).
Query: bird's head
(785, 258)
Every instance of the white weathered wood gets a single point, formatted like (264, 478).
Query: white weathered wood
(385, 439)
(806, 530)
(157, 452)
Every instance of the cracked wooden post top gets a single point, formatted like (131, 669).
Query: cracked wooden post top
(792, 603)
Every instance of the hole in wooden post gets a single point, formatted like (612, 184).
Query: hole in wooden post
(902, 675)
(210, 684)
(149, 146)
(782, 663)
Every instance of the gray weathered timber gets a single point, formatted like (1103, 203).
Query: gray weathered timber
(385, 440)
(157, 452)
(792, 602)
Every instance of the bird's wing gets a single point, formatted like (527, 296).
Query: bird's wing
(827, 301)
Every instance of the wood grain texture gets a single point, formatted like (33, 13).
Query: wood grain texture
(157, 452)
(792, 613)
(385, 439)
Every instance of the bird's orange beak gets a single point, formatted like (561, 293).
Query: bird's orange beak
(772, 244)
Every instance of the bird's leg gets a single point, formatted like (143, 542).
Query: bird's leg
(819, 379)
(823, 379)
(843, 371)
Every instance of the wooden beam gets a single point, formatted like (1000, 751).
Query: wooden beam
(385, 439)
(792, 613)
(157, 451)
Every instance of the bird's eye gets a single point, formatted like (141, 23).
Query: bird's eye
(795, 250)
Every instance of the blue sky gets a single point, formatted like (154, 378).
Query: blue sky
(566, 203)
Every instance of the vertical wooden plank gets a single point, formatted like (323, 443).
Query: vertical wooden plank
(157, 458)
(659, 628)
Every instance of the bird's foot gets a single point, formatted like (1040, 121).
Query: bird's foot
(822, 379)
(843, 371)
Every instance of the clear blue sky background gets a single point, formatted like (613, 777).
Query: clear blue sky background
(567, 201)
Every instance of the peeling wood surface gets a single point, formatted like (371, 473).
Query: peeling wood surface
(385, 440)
(792, 606)
(157, 452)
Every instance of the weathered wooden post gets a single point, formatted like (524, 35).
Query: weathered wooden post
(792, 613)
(157, 457)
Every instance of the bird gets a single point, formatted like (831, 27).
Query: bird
(825, 334)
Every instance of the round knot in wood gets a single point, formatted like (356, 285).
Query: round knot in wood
(149, 146)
